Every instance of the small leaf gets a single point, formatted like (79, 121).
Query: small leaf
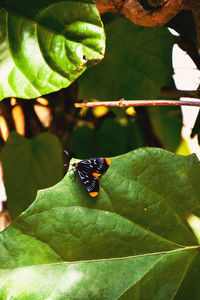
(29, 165)
(167, 125)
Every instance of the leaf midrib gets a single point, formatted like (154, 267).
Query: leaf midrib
(109, 259)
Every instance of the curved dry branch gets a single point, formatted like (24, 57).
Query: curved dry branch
(132, 10)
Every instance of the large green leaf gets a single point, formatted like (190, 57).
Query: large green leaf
(126, 278)
(131, 242)
(29, 165)
(136, 65)
(47, 44)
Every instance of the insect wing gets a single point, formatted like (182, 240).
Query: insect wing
(90, 182)
(89, 170)
(95, 166)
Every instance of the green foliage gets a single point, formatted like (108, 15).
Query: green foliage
(46, 45)
(196, 128)
(136, 239)
(136, 66)
(131, 242)
(29, 165)
(112, 138)
(137, 63)
(167, 124)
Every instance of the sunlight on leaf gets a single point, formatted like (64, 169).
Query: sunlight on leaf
(47, 45)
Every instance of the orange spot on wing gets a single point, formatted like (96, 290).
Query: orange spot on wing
(93, 194)
(76, 165)
(96, 175)
(107, 161)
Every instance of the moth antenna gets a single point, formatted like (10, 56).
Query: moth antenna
(66, 152)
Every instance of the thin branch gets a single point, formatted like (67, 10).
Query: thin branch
(125, 103)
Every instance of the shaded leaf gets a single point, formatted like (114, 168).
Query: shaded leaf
(196, 128)
(136, 64)
(29, 165)
(136, 137)
(83, 141)
(190, 285)
(110, 139)
(45, 46)
(167, 124)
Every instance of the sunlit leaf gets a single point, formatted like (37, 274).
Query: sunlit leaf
(46, 45)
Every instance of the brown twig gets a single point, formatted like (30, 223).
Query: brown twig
(125, 103)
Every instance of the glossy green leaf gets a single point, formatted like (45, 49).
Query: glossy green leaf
(46, 45)
(29, 165)
(131, 242)
(136, 65)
